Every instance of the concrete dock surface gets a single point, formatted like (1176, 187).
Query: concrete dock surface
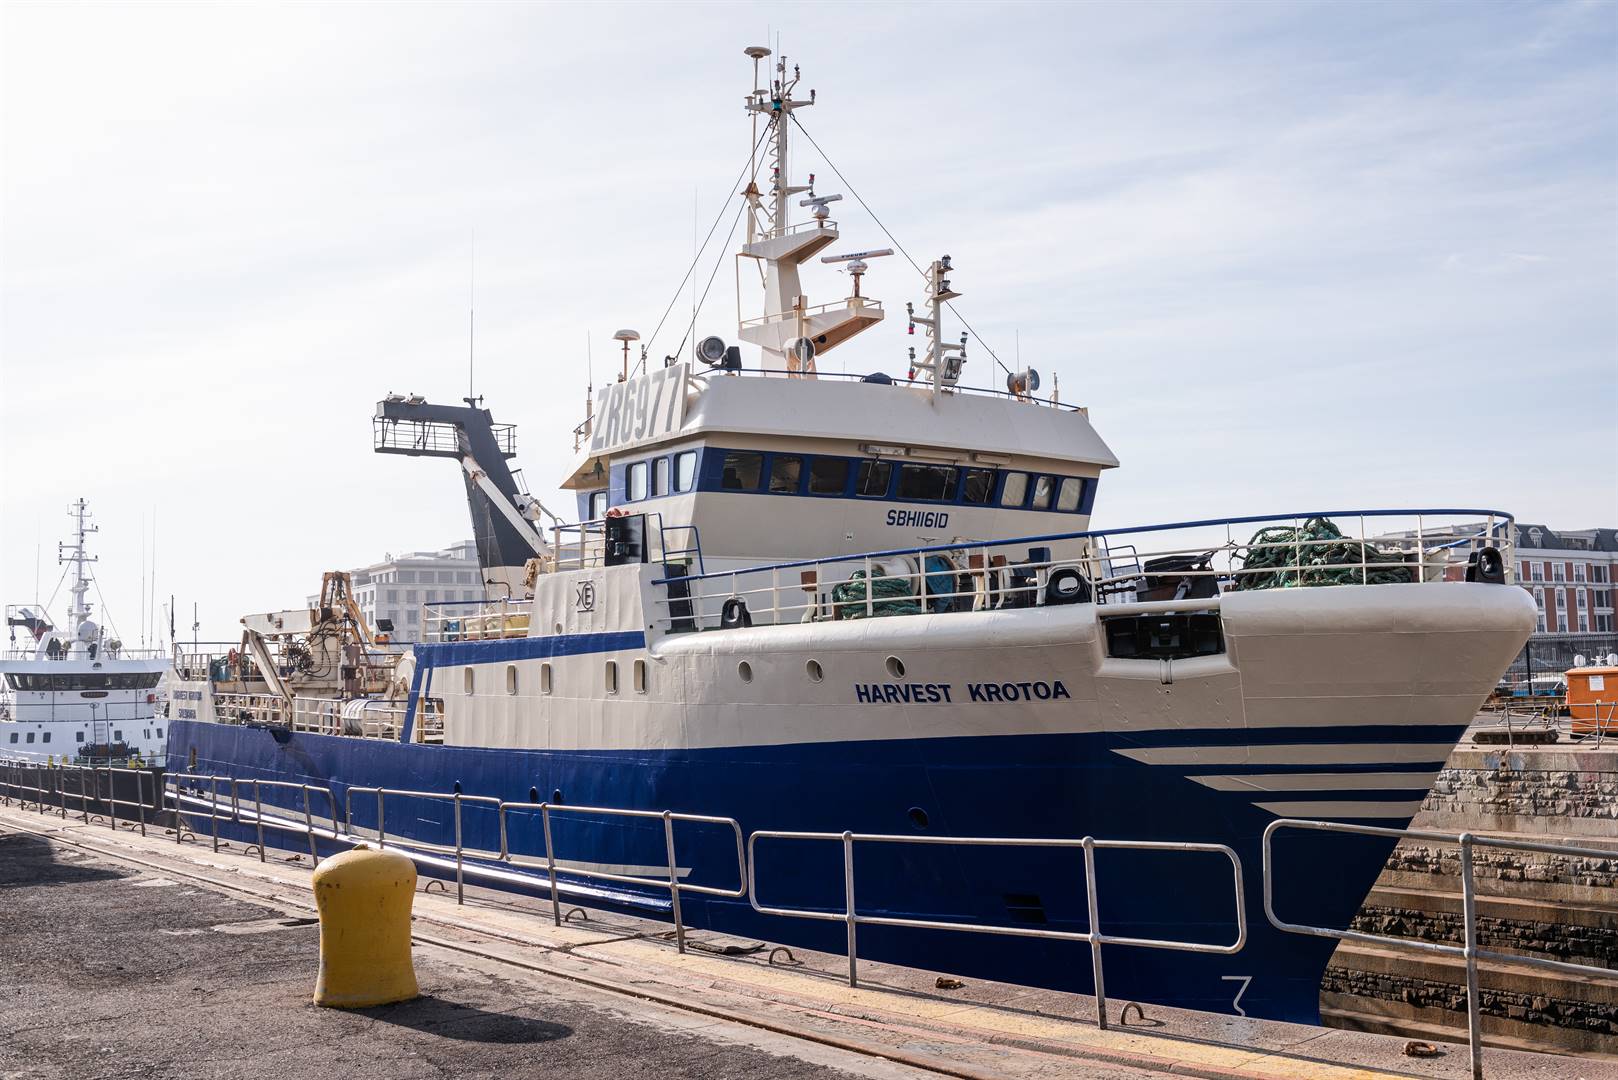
(131, 956)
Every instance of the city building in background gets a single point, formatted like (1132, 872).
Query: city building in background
(391, 592)
(1573, 576)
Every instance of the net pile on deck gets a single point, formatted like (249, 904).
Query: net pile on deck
(1317, 553)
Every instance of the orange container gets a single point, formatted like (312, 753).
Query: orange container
(1592, 699)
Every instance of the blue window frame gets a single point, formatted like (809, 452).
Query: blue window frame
(828, 475)
(786, 474)
(685, 470)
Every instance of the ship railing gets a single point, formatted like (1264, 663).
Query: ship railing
(925, 383)
(1178, 567)
(551, 865)
(1469, 950)
(49, 781)
(222, 797)
(252, 708)
(1095, 937)
(475, 620)
(582, 545)
(106, 711)
(122, 652)
(793, 314)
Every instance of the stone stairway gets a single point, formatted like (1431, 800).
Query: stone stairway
(1551, 906)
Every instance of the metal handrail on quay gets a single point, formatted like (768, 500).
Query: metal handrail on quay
(13, 787)
(1469, 951)
(502, 809)
(1094, 936)
(186, 789)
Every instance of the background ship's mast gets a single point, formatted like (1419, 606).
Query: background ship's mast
(74, 553)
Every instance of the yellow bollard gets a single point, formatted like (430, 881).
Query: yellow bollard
(364, 898)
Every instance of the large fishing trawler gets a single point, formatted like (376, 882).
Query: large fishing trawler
(874, 606)
(77, 693)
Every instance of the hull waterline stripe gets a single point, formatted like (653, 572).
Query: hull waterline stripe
(1321, 781)
(1342, 809)
(1432, 754)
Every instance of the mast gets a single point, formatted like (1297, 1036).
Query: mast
(944, 359)
(790, 333)
(74, 553)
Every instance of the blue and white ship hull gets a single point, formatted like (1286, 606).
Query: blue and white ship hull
(1336, 703)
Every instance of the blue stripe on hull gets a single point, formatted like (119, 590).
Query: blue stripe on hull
(1012, 786)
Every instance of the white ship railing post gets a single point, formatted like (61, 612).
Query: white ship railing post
(674, 882)
(1091, 898)
(1469, 914)
(848, 899)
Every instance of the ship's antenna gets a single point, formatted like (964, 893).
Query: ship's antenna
(695, 253)
(143, 581)
(471, 321)
(151, 607)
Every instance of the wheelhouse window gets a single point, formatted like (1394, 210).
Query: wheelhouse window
(660, 476)
(741, 471)
(977, 486)
(1067, 496)
(873, 478)
(636, 486)
(828, 476)
(786, 470)
(928, 483)
(685, 470)
(598, 510)
(1015, 490)
(1043, 486)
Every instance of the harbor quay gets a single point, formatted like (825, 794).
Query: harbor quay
(215, 951)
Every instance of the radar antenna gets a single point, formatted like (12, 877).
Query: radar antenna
(857, 266)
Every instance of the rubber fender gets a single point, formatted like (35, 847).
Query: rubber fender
(734, 614)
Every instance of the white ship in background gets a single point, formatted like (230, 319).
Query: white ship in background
(74, 693)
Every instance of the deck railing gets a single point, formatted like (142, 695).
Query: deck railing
(1187, 569)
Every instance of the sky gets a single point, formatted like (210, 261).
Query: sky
(1291, 256)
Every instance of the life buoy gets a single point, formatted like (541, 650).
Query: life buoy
(233, 656)
(617, 512)
(1066, 586)
(734, 614)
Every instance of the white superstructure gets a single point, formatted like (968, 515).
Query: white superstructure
(75, 693)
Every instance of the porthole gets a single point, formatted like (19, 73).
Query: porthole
(896, 667)
(640, 676)
(467, 680)
(917, 816)
(812, 669)
(612, 677)
(558, 629)
(745, 670)
(511, 678)
(544, 678)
